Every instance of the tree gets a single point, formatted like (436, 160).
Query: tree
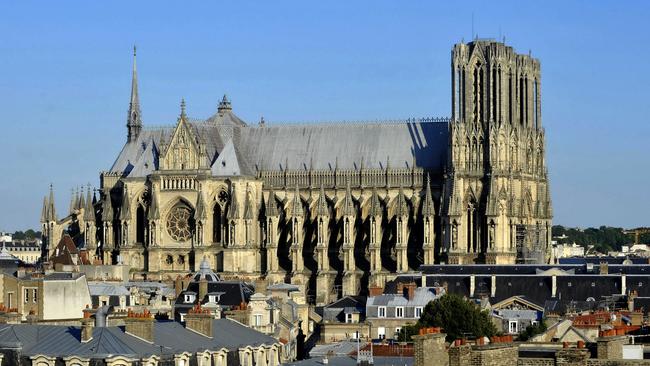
(457, 317)
(532, 330)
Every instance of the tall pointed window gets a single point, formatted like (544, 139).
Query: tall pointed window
(216, 223)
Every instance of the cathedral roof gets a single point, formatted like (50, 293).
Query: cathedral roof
(318, 146)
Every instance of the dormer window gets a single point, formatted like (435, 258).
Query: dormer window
(189, 298)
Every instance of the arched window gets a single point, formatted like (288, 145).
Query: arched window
(216, 223)
(140, 225)
(536, 105)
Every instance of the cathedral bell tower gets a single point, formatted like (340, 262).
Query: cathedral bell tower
(497, 198)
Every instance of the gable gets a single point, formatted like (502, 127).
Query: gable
(183, 151)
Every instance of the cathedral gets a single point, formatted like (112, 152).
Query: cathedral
(331, 207)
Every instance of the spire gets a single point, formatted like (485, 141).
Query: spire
(271, 206)
(401, 209)
(107, 212)
(348, 203)
(296, 208)
(428, 209)
(154, 213)
(89, 209)
(81, 202)
(375, 204)
(73, 201)
(225, 105)
(200, 211)
(134, 122)
(125, 211)
(321, 204)
(52, 208)
(183, 115)
(44, 215)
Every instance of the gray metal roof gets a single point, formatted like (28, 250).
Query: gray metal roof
(423, 295)
(107, 289)
(169, 337)
(248, 149)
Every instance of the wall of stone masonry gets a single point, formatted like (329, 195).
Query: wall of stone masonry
(535, 362)
(495, 355)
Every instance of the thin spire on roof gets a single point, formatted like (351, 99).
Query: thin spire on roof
(183, 115)
(375, 203)
(81, 202)
(73, 201)
(89, 209)
(428, 209)
(134, 121)
(271, 206)
(348, 203)
(296, 209)
(44, 215)
(224, 105)
(52, 207)
(401, 208)
(107, 212)
(321, 205)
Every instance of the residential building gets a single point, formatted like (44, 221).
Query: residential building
(142, 341)
(388, 313)
(344, 319)
(51, 297)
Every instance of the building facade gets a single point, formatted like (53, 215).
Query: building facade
(332, 208)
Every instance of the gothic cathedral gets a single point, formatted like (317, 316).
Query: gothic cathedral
(331, 207)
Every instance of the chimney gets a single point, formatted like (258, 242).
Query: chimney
(101, 315)
(203, 289)
(87, 325)
(375, 291)
(409, 290)
(630, 300)
(199, 320)
(604, 268)
(139, 325)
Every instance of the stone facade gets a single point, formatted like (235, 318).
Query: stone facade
(332, 208)
(430, 349)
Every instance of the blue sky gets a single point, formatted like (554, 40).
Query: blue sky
(65, 79)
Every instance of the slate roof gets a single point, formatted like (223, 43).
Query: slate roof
(169, 337)
(234, 293)
(107, 289)
(248, 149)
(423, 296)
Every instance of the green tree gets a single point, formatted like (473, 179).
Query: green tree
(532, 330)
(457, 317)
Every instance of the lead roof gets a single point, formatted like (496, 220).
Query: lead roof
(249, 149)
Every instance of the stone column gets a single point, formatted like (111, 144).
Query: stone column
(401, 243)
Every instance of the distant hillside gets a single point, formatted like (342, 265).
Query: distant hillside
(604, 238)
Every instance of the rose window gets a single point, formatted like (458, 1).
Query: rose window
(179, 224)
